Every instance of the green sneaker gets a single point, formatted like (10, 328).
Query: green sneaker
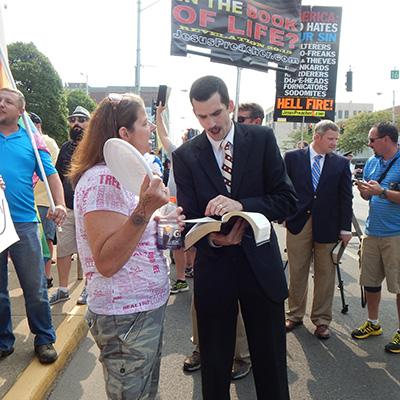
(394, 345)
(179, 286)
(366, 330)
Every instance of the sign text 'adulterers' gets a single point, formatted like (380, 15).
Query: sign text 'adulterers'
(314, 87)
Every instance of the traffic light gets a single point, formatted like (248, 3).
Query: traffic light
(309, 129)
(349, 81)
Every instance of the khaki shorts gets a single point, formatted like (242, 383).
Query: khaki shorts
(66, 240)
(380, 258)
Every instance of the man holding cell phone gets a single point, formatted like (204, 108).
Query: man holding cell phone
(380, 250)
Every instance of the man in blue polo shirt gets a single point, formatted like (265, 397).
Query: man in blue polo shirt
(380, 251)
(17, 167)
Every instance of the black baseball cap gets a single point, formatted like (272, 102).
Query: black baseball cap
(35, 118)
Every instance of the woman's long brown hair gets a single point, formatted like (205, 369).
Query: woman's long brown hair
(114, 112)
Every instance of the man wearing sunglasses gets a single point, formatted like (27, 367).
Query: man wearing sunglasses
(380, 250)
(78, 121)
(250, 114)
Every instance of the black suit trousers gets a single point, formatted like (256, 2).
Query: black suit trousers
(222, 278)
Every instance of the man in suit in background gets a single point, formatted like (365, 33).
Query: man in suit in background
(322, 181)
(227, 168)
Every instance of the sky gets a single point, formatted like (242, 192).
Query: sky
(97, 39)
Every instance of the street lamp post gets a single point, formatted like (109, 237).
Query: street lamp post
(393, 105)
(137, 70)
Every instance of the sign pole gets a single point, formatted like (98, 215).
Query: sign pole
(238, 77)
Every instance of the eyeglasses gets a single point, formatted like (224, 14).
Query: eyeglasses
(242, 119)
(372, 140)
(81, 120)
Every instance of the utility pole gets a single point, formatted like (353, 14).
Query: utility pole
(137, 69)
(86, 82)
(394, 107)
(394, 74)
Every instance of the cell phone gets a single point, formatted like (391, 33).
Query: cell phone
(163, 94)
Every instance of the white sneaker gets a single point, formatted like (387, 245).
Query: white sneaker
(58, 297)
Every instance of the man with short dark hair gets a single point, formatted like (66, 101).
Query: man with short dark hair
(229, 268)
(17, 166)
(380, 249)
(322, 181)
(250, 114)
(78, 121)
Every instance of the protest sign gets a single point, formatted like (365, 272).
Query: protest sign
(8, 235)
(311, 94)
(245, 33)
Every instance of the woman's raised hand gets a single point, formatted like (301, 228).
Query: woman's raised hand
(153, 195)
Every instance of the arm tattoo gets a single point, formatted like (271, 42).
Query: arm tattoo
(138, 216)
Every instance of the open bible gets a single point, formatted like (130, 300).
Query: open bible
(203, 226)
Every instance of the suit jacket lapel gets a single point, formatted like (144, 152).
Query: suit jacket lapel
(241, 152)
(209, 164)
(324, 172)
(307, 166)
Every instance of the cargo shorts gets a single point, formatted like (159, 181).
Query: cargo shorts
(130, 352)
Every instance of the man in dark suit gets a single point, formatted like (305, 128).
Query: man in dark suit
(322, 181)
(230, 268)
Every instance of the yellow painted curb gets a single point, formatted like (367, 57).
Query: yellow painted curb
(36, 380)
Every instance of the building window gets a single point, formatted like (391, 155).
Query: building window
(346, 114)
(340, 114)
(354, 112)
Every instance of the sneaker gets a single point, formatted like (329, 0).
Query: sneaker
(179, 286)
(49, 283)
(394, 345)
(366, 330)
(192, 363)
(58, 297)
(82, 299)
(189, 273)
(46, 353)
(240, 369)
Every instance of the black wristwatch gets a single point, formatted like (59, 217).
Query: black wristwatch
(383, 194)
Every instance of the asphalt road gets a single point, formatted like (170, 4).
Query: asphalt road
(337, 369)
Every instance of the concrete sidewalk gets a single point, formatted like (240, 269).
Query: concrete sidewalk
(21, 375)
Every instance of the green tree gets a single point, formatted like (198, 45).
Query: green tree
(296, 137)
(77, 97)
(355, 135)
(41, 85)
